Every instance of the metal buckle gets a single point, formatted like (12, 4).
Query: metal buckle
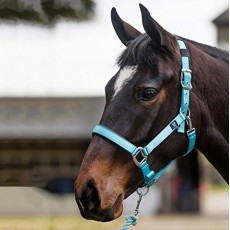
(190, 131)
(186, 87)
(189, 123)
(136, 161)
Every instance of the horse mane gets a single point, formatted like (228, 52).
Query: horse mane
(140, 51)
(211, 50)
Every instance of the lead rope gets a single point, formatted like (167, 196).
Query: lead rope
(132, 219)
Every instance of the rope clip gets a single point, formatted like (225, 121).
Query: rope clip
(132, 219)
(141, 193)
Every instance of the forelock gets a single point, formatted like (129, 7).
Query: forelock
(138, 52)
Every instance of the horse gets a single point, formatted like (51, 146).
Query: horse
(142, 98)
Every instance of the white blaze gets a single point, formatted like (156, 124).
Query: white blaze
(124, 76)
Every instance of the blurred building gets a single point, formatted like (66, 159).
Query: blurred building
(222, 24)
(44, 139)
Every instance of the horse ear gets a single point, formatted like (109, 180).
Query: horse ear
(124, 31)
(158, 35)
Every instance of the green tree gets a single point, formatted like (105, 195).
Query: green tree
(46, 12)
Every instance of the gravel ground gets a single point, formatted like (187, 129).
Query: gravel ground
(181, 222)
(214, 214)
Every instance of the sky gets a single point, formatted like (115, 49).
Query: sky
(77, 59)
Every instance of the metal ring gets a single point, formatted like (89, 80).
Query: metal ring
(139, 150)
(143, 193)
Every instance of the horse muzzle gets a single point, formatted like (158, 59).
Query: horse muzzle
(96, 206)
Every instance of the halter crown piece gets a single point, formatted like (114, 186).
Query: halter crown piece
(181, 124)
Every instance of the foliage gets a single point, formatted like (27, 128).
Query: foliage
(46, 12)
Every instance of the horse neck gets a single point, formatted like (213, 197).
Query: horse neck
(210, 93)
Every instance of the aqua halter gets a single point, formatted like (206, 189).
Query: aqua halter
(178, 123)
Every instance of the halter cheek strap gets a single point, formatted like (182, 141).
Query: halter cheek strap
(178, 124)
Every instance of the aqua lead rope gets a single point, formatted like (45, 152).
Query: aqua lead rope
(132, 219)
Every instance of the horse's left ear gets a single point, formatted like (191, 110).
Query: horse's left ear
(124, 31)
(158, 35)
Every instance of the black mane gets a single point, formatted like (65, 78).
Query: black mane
(211, 50)
(140, 51)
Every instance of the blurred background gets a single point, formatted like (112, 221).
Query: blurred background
(56, 57)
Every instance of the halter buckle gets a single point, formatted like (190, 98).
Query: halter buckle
(189, 123)
(139, 151)
(187, 84)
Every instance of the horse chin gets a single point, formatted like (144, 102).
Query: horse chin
(100, 214)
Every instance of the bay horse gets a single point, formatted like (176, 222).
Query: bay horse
(142, 98)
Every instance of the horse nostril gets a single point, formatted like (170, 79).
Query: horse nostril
(90, 198)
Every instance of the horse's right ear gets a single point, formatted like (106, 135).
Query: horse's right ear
(124, 31)
(159, 36)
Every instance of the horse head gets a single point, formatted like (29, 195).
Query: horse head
(141, 99)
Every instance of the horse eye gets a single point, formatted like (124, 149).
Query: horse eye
(148, 94)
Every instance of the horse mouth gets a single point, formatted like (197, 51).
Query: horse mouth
(99, 214)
